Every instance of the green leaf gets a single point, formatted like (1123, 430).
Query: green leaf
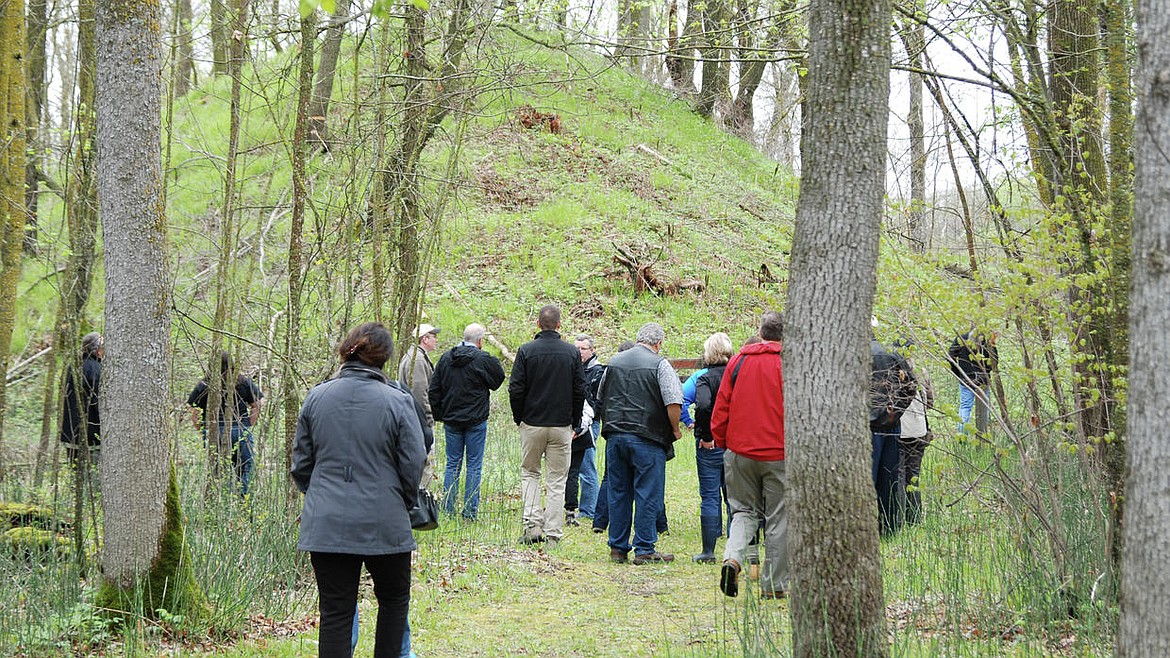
(307, 7)
(422, 5)
(329, 5)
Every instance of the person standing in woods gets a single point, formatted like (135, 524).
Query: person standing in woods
(717, 351)
(914, 438)
(582, 486)
(238, 418)
(973, 357)
(81, 424)
(358, 457)
(748, 423)
(641, 400)
(460, 395)
(891, 390)
(414, 372)
(547, 396)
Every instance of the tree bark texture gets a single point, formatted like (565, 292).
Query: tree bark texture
(716, 74)
(291, 393)
(12, 172)
(184, 61)
(326, 70)
(35, 66)
(135, 400)
(219, 36)
(837, 602)
(1145, 579)
(1117, 22)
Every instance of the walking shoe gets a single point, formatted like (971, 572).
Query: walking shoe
(618, 556)
(729, 578)
(597, 530)
(571, 519)
(531, 538)
(653, 557)
(704, 558)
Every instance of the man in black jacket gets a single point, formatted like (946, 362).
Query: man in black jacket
(460, 394)
(973, 356)
(891, 390)
(547, 393)
(81, 423)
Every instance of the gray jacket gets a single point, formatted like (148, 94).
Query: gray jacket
(358, 459)
(414, 372)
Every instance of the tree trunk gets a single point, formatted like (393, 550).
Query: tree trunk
(292, 387)
(1117, 24)
(914, 40)
(752, 64)
(220, 50)
(715, 74)
(35, 66)
(684, 54)
(12, 172)
(837, 603)
(81, 214)
(1145, 573)
(323, 86)
(184, 63)
(138, 506)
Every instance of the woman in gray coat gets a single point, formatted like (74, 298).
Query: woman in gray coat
(358, 459)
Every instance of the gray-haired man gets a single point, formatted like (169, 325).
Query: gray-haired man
(641, 400)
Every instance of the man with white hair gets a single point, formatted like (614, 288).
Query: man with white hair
(460, 395)
(641, 400)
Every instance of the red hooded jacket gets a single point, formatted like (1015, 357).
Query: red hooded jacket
(748, 417)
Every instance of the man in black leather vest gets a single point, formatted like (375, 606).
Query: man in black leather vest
(641, 400)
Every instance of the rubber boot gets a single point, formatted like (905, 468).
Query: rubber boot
(711, 528)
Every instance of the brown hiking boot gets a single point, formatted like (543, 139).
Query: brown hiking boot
(653, 557)
(619, 556)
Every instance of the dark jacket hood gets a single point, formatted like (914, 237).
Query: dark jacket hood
(462, 355)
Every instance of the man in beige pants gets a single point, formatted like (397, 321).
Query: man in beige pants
(547, 393)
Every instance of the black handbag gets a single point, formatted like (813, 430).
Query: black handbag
(425, 513)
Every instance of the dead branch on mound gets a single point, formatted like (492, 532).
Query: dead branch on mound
(644, 278)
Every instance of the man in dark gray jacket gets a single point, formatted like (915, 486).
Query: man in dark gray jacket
(547, 393)
(460, 395)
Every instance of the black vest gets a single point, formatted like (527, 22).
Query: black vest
(706, 388)
(631, 399)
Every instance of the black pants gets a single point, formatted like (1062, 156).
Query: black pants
(910, 451)
(338, 575)
(573, 484)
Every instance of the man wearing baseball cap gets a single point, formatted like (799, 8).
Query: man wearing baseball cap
(414, 372)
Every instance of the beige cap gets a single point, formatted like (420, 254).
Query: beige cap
(424, 329)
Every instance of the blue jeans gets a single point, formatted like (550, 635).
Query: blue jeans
(887, 479)
(242, 455)
(966, 405)
(636, 470)
(407, 652)
(470, 439)
(589, 484)
(712, 492)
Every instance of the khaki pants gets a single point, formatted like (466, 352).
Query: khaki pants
(756, 490)
(554, 444)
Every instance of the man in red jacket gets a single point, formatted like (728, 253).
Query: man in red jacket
(748, 421)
